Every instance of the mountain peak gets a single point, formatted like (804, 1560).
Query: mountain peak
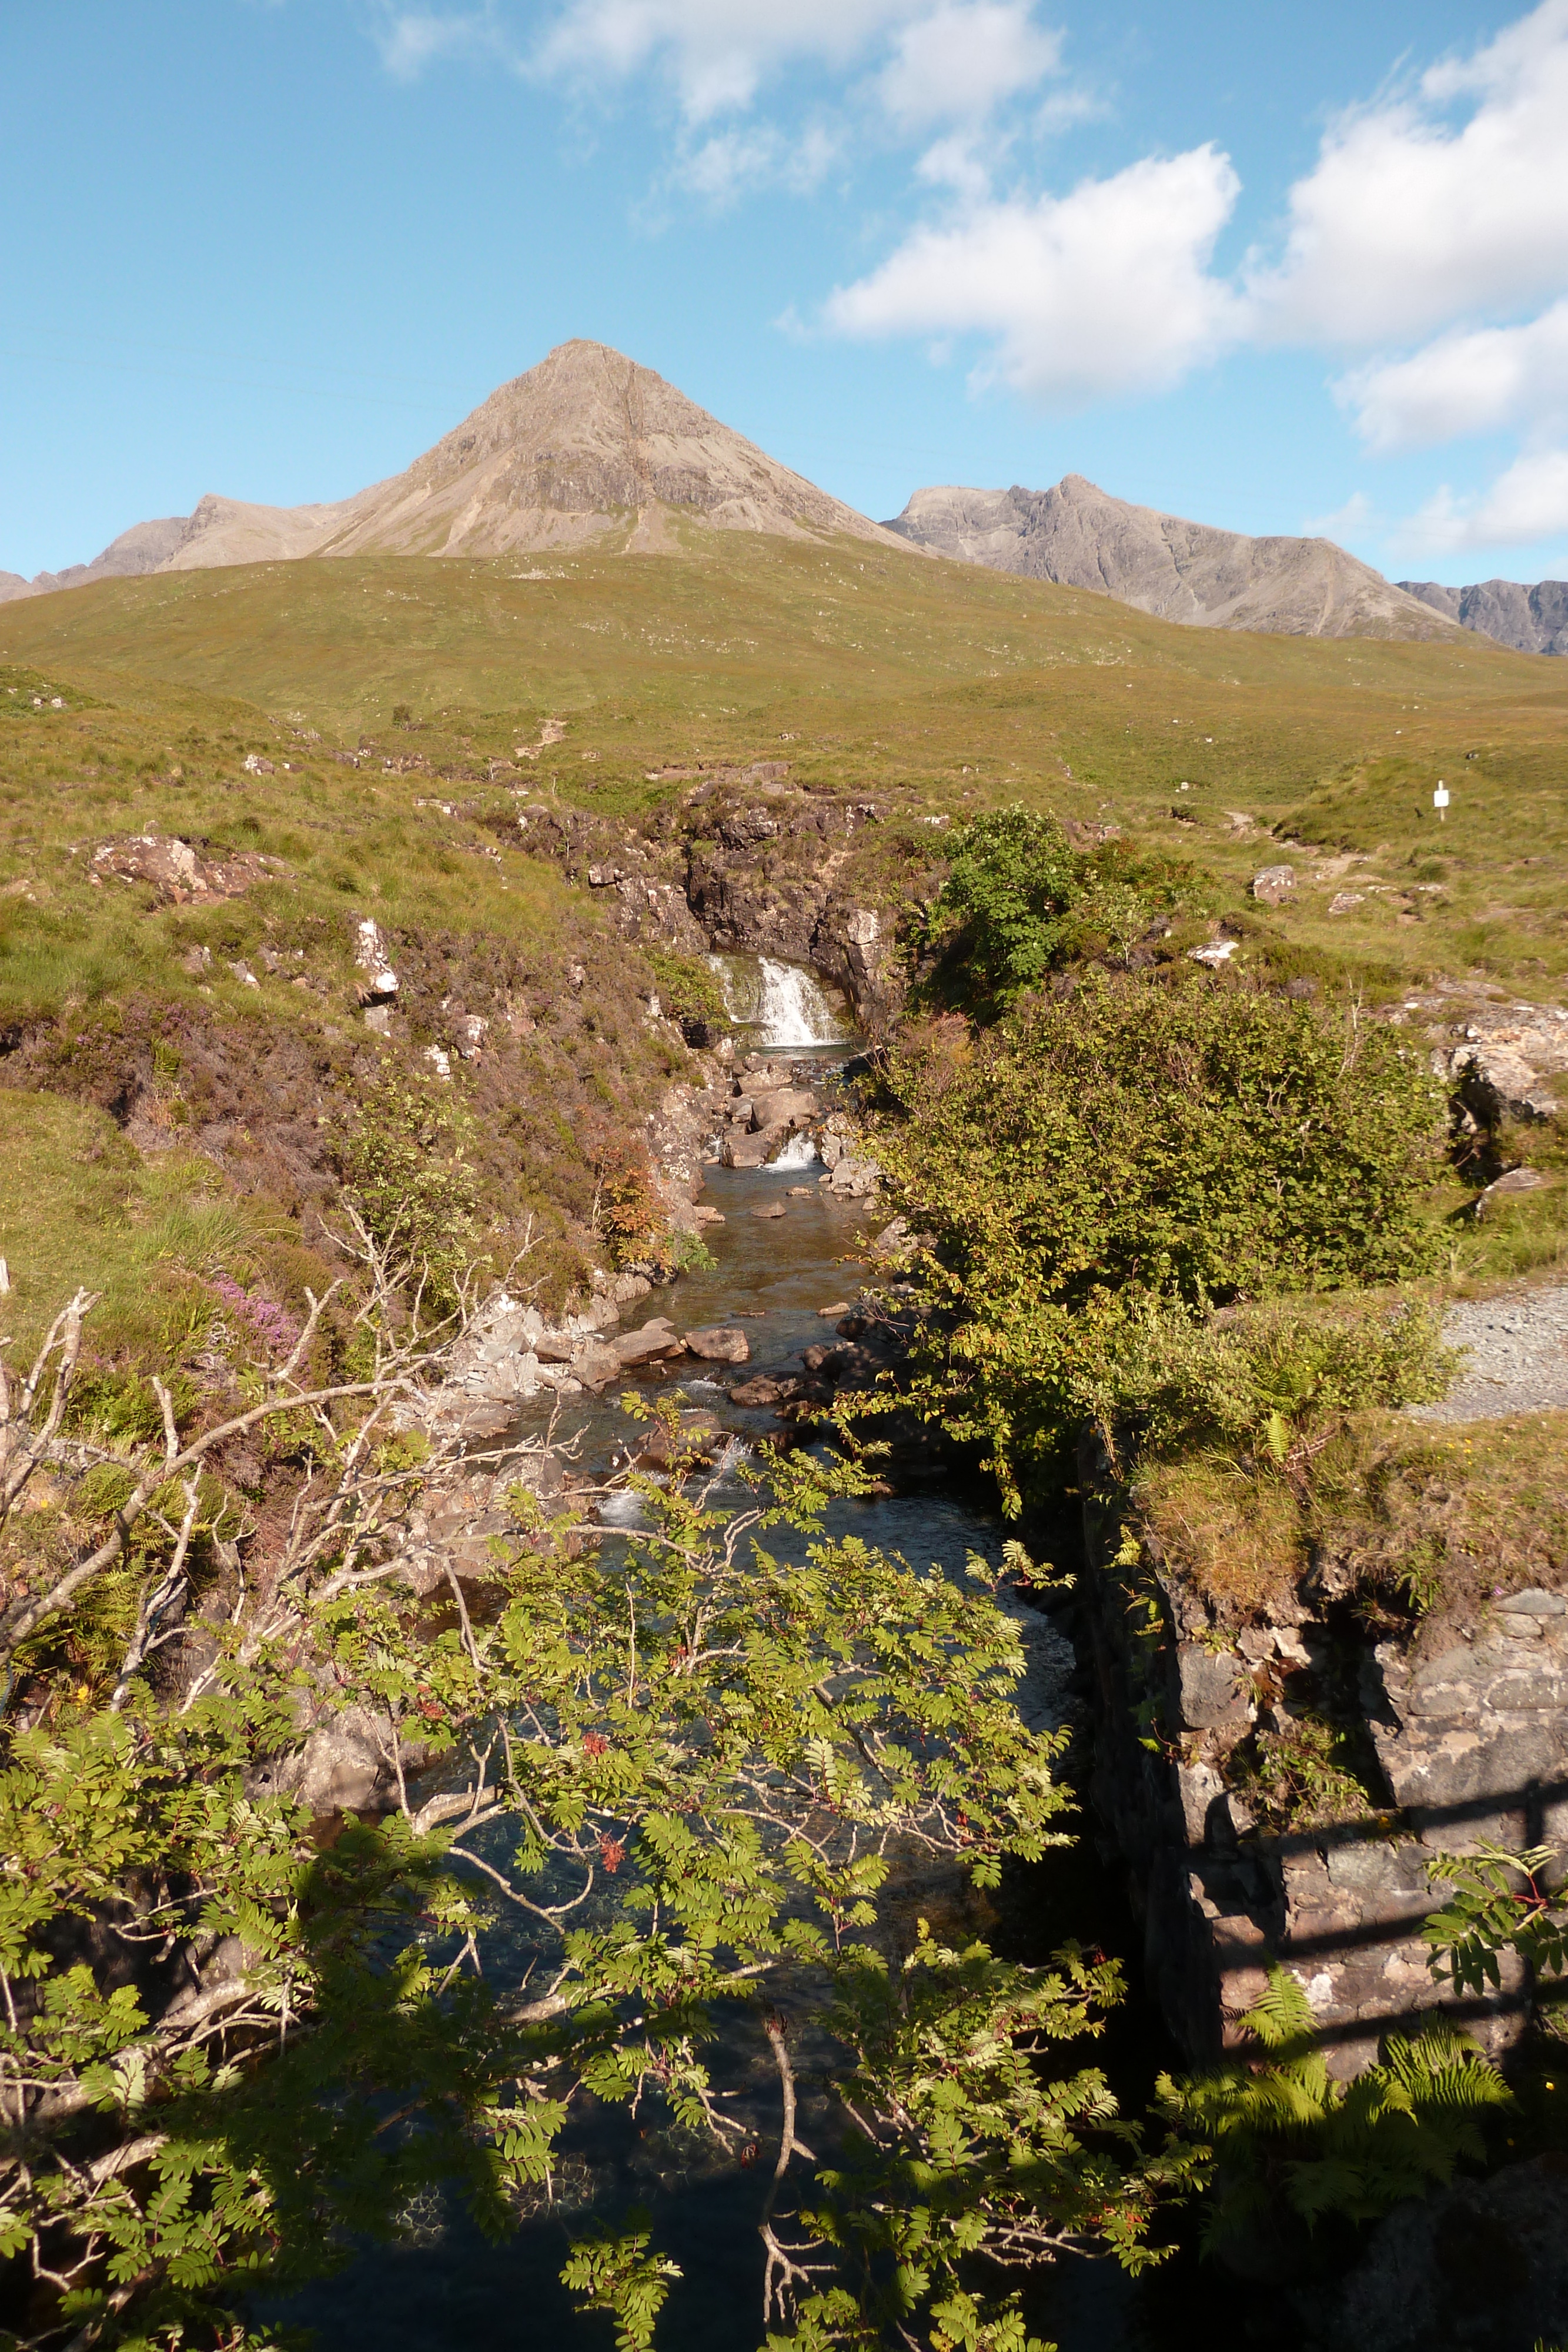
(588, 445)
(589, 449)
(1081, 537)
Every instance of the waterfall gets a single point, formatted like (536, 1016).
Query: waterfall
(787, 1005)
(799, 1153)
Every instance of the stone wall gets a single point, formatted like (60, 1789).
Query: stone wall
(1470, 1743)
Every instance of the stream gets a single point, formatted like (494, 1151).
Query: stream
(444, 2286)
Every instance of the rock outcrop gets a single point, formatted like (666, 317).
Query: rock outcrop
(1482, 2266)
(1530, 620)
(762, 867)
(178, 873)
(1510, 1063)
(1081, 537)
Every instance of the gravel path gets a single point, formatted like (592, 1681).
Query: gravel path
(1516, 1351)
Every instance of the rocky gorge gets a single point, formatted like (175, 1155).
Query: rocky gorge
(747, 862)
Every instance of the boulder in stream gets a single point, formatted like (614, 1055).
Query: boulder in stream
(790, 1107)
(653, 1343)
(595, 1364)
(720, 1344)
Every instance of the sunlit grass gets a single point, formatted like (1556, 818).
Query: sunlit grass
(81, 1208)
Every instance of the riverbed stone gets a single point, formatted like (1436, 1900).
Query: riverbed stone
(595, 1364)
(788, 1107)
(721, 1343)
(655, 1342)
(699, 1434)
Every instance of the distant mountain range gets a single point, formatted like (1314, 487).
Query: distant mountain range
(1533, 620)
(1081, 537)
(589, 450)
(586, 449)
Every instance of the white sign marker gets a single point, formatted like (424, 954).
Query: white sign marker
(1440, 801)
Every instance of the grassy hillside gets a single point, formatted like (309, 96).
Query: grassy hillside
(944, 686)
(178, 1072)
(367, 726)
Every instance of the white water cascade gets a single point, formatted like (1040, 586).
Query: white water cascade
(799, 1153)
(784, 1003)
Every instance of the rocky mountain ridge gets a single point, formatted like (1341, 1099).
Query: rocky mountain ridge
(1530, 620)
(586, 449)
(1080, 537)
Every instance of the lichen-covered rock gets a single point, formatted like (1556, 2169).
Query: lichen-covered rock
(1474, 1741)
(180, 875)
(1497, 1083)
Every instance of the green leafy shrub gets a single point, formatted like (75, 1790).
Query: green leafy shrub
(720, 1775)
(1129, 1152)
(1265, 1375)
(1500, 1900)
(1019, 902)
(406, 1165)
(689, 990)
(627, 1211)
(1298, 1775)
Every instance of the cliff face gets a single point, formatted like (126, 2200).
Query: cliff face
(1469, 1743)
(1079, 537)
(1530, 620)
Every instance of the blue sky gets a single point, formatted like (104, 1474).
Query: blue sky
(1273, 267)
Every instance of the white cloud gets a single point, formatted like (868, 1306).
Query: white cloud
(1103, 292)
(1344, 522)
(1410, 221)
(950, 61)
(411, 38)
(716, 52)
(1527, 502)
(724, 164)
(958, 163)
(962, 61)
(1464, 382)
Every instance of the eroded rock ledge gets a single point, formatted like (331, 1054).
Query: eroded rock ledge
(748, 861)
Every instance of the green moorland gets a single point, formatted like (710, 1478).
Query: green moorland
(946, 688)
(368, 725)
